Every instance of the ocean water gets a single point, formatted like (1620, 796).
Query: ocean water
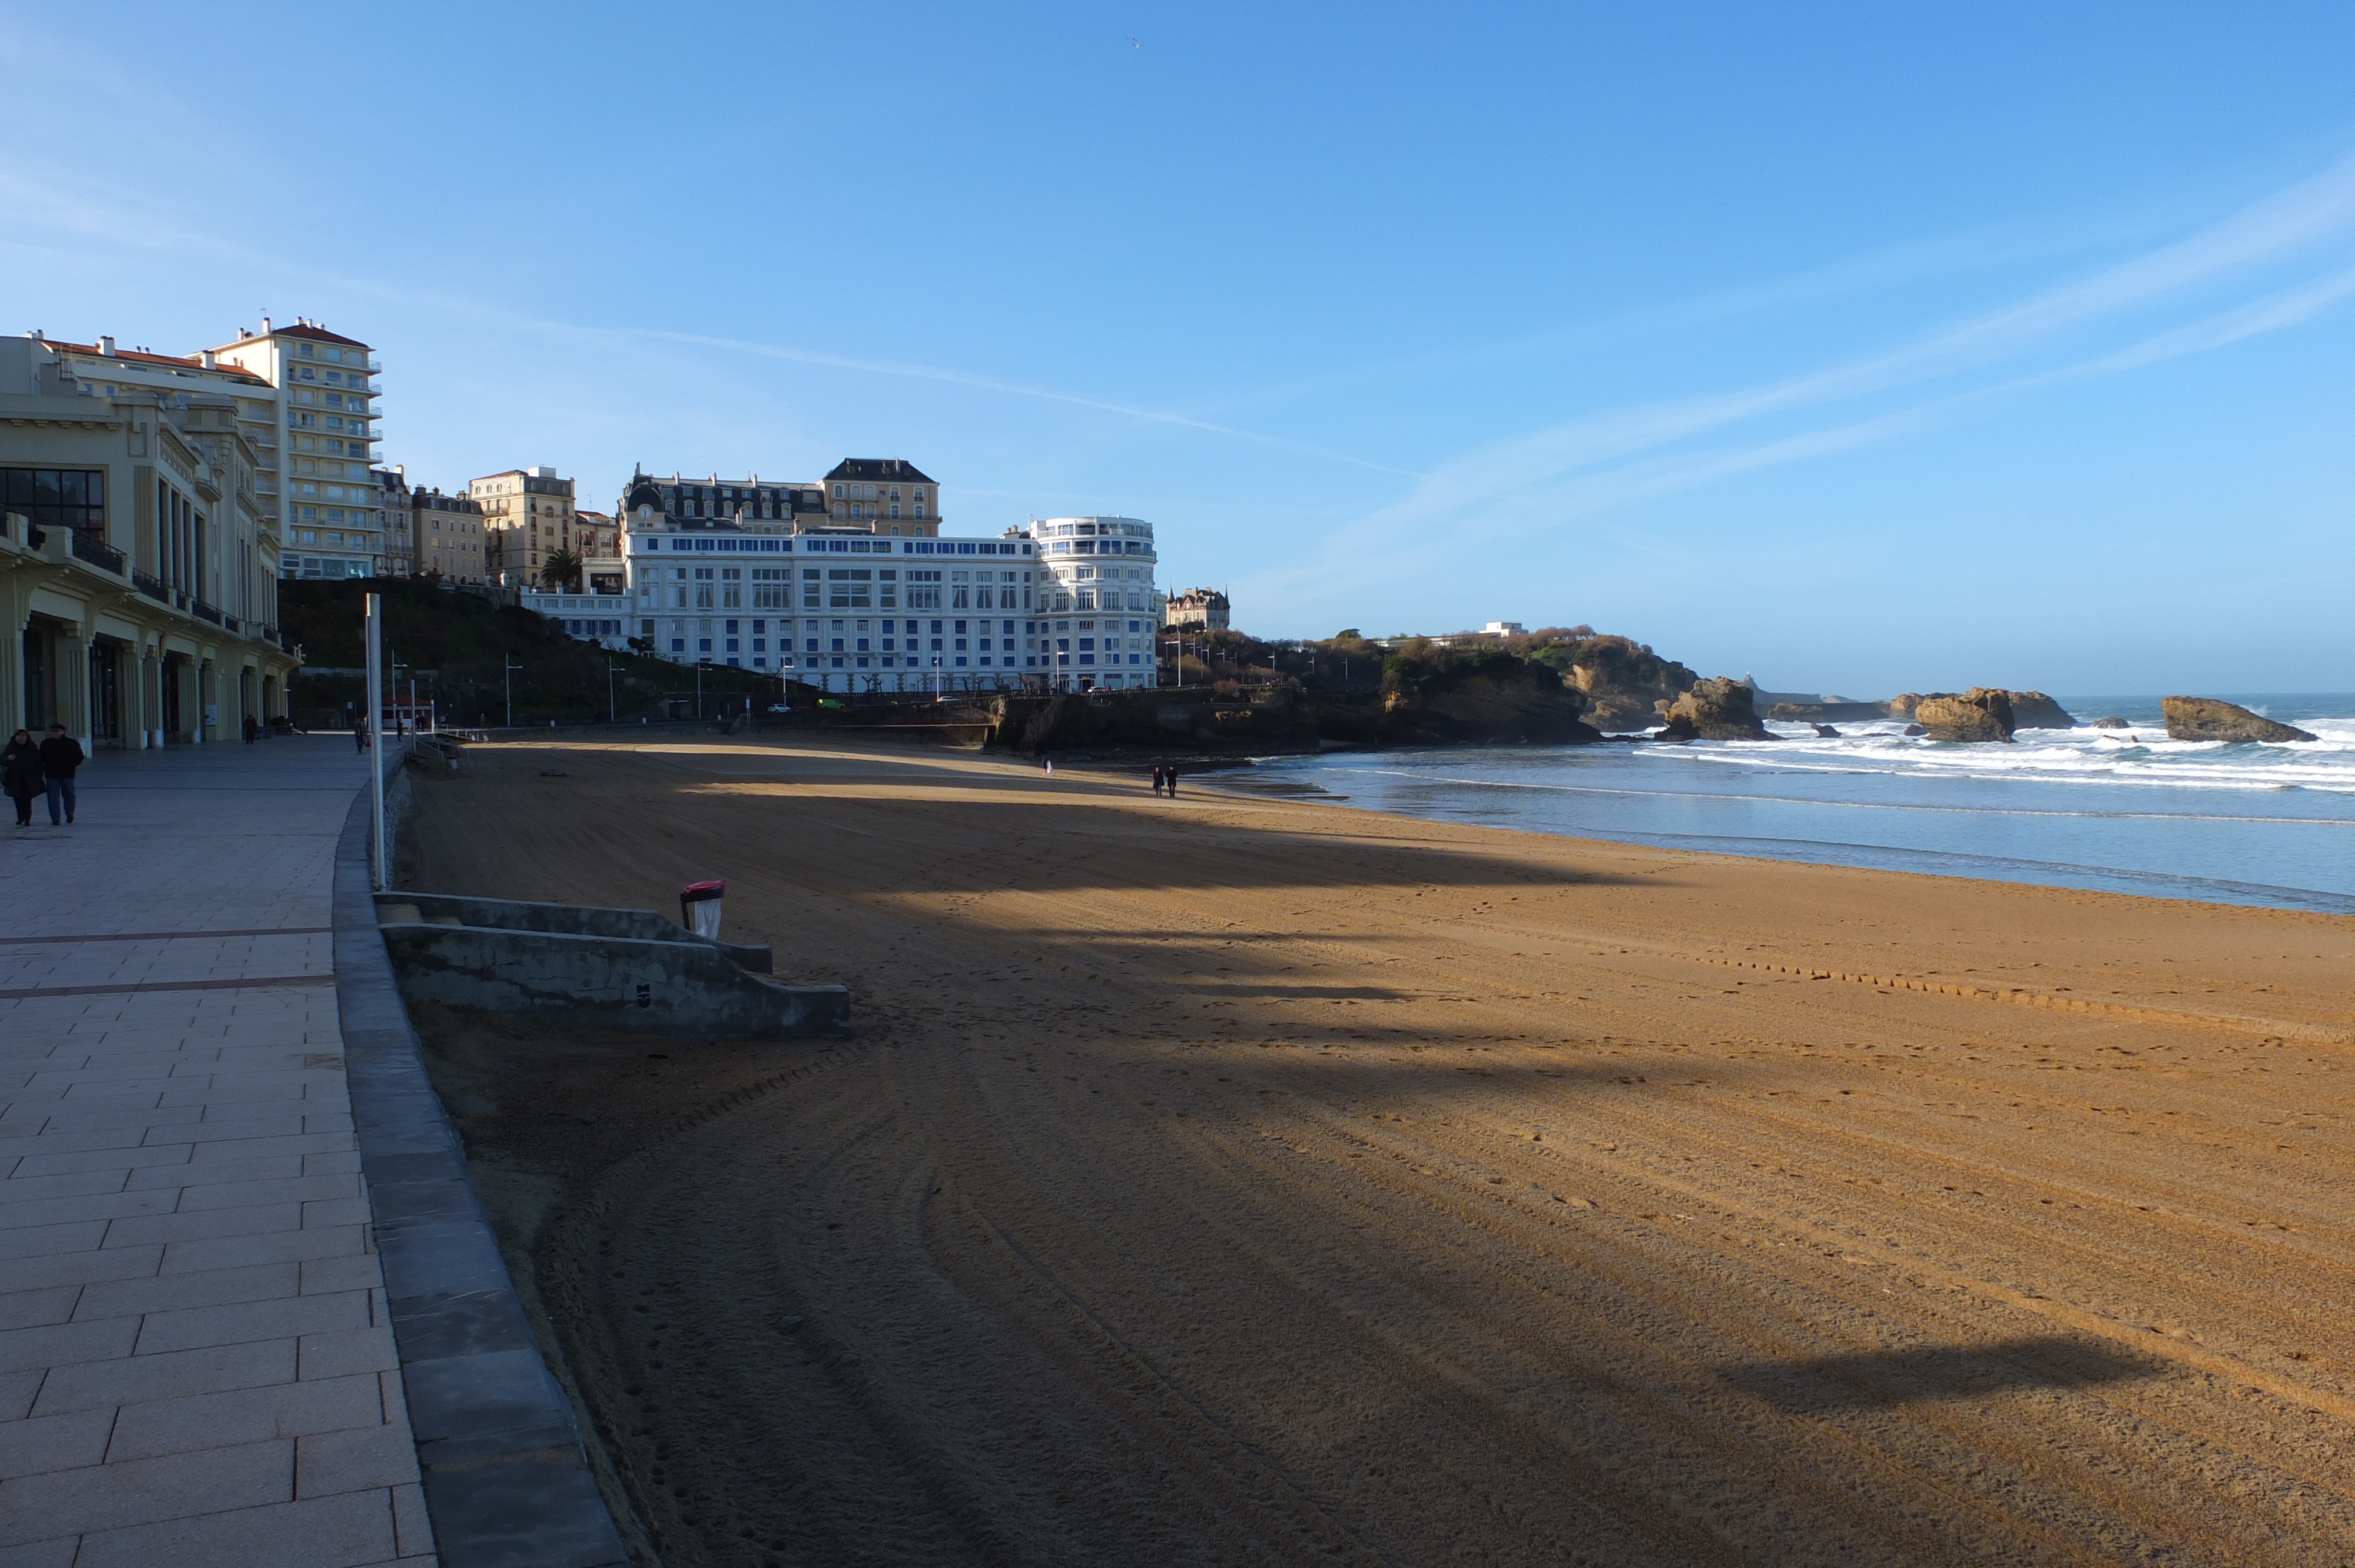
(2122, 811)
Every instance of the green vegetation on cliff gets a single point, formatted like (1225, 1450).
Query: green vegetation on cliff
(457, 647)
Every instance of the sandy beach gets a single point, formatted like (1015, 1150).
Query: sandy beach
(1232, 1180)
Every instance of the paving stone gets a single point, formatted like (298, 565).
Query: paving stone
(56, 1553)
(344, 1532)
(249, 1416)
(133, 1379)
(360, 1272)
(412, 1529)
(275, 1247)
(168, 1293)
(137, 1157)
(354, 1459)
(352, 1351)
(206, 1224)
(16, 1392)
(285, 1317)
(144, 1491)
(34, 1241)
(33, 1308)
(86, 1266)
(66, 1344)
(295, 1188)
(54, 1442)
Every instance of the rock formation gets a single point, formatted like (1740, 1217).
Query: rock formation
(1981, 714)
(2034, 710)
(2205, 718)
(1481, 695)
(1716, 709)
(1624, 681)
(2113, 722)
(1828, 732)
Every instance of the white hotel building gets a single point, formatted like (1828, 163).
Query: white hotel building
(1072, 604)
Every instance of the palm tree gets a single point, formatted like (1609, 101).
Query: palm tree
(561, 570)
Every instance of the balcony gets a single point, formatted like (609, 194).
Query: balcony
(204, 611)
(97, 552)
(151, 588)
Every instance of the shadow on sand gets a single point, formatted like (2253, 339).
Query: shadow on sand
(1881, 1379)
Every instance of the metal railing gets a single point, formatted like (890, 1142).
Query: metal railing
(149, 587)
(202, 611)
(97, 552)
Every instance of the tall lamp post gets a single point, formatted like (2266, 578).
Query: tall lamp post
(511, 667)
(609, 709)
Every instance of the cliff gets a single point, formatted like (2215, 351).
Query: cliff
(1624, 681)
(1471, 694)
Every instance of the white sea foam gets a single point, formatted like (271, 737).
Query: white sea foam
(2128, 809)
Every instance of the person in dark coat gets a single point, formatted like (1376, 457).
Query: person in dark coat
(1156, 779)
(1171, 775)
(20, 775)
(61, 754)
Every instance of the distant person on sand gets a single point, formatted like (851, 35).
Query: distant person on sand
(61, 754)
(1171, 774)
(1048, 764)
(1157, 777)
(20, 774)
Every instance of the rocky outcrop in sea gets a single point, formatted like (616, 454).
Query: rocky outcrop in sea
(2207, 718)
(1715, 709)
(1981, 714)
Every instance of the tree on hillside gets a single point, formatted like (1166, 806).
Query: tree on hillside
(562, 570)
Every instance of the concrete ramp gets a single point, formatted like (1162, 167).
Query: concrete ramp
(625, 969)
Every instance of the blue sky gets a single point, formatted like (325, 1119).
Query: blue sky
(1862, 347)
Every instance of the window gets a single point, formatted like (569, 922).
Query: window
(57, 498)
(731, 588)
(851, 588)
(772, 587)
(703, 585)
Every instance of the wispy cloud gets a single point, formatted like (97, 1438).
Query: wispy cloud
(1586, 467)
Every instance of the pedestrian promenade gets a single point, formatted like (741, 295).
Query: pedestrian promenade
(197, 1361)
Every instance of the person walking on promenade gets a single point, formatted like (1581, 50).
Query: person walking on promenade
(252, 728)
(360, 732)
(20, 774)
(61, 754)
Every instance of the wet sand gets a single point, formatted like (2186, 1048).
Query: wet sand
(1234, 1181)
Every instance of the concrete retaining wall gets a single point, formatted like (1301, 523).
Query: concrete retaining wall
(679, 985)
(575, 919)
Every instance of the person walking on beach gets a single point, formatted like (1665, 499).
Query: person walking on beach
(1170, 773)
(1158, 771)
(61, 754)
(20, 774)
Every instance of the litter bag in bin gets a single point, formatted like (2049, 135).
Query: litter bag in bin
(698, 907)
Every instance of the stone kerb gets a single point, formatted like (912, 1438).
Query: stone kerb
(506, 1482)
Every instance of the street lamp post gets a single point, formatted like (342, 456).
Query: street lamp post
(509, 668)
(609, 709)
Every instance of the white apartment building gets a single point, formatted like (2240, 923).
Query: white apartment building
(305, 403)
(853, 612)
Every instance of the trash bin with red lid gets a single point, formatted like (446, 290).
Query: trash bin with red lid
(698, 907)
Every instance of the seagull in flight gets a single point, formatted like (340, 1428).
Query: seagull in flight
(1135, 45)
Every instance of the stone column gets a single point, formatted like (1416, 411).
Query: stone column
(72, 645)
(150, 702)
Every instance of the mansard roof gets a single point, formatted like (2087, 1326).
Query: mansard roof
(896, 471)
